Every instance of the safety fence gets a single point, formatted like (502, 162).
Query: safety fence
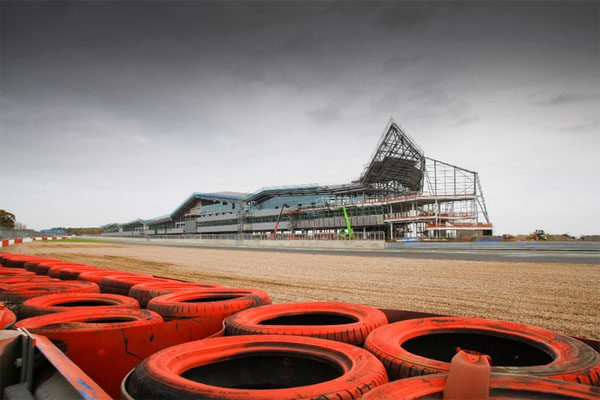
(10, 242)
(376, 235)
(10, 233)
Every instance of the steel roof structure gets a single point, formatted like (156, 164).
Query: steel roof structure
(398, 164)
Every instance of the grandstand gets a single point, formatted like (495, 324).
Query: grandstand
(401, 194)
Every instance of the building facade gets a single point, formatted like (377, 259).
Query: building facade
(401, 194)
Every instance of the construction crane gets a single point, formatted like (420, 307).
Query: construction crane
(278, 219)
(348, 233)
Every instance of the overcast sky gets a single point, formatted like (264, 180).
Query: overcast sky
(114, 111)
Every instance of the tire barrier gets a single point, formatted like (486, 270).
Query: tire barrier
(19, 292)
(7, 317)
(12, 280)
(31, 265)
(425, 346)
(8, 272)
(89, 320)
(219, 303)
(54, 303)
(120, 284)
(343, 322)
(43, 268)
(11, 260)
(69, 272)
(502, 386)
(256, 367)
(97, 276)
(144, 292)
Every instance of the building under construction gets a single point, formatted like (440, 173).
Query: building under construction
(401, 194)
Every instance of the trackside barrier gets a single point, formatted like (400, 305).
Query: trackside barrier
(10, 242)
(66, 379)
(107, 356)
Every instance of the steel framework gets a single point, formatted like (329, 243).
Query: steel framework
(397, 165)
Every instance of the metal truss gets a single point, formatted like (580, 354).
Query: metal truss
(397, 166)
(447, 180)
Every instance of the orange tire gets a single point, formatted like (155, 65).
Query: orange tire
(144, 292)
(207, 302)
(53, 303)
(120, 284)
(69, 270)
(502, 386)
(43, 268)
(89, 320)
(426, 346)
(97, 276)
(31, 265)
(12, 280)
(19, 292)
(343, 322)
(10, 272)
(12, 260)
(265, 367)
(7, 317)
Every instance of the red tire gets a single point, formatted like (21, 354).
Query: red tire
(120, 284)
(7, 317)
(144, 292)
(69, 270)
(11, 280)
(53, 303)
(207, 302)
(502, 386)
(30, 265)
(89, 320)
(10, 272)
(11, 260)
(97, 276)
(425, 346)
(19, 292)
(257, 367)
(43, 268)
(343, 322)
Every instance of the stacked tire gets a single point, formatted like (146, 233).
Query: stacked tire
(61, 302)
(502, 386)
(144, 292)
(207, 303)
(425, 346)
(342, 322)
(256, 367)
(285, 351)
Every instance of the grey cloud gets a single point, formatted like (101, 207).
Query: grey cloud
(406, 14)
(586, 127)
(305, 42)
(466, 120)
(325, 115)
(401, 61)
(563, 98)
(148, 91)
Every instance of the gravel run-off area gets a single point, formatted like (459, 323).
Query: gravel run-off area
(560, 297)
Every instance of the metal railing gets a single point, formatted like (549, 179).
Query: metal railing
(8, 233)
(377, 235)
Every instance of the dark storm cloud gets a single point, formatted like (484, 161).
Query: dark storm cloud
(136, 93)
